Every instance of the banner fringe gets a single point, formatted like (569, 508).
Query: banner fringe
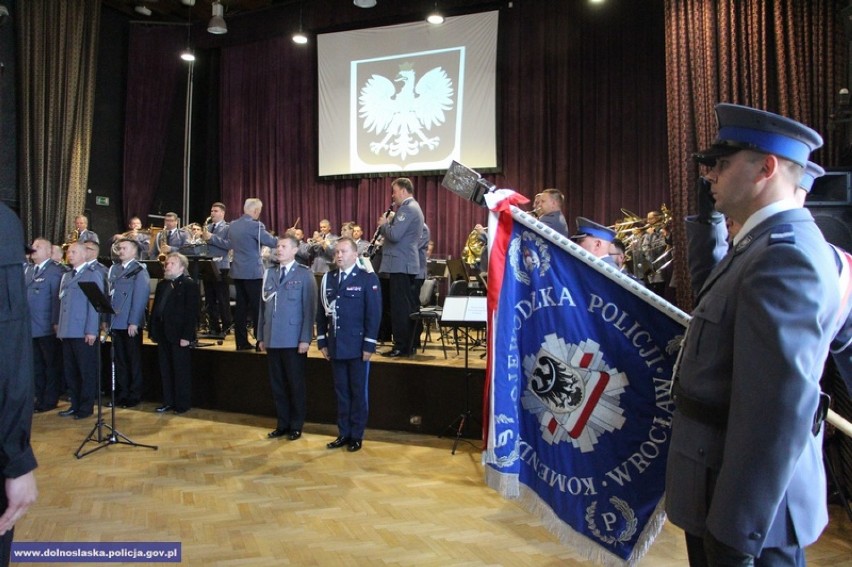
(508, 486)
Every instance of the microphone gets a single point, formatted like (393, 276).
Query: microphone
(373, 247)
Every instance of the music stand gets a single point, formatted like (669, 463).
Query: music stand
(202, 270)
(155, 269)
(102, 305)
(462, 312)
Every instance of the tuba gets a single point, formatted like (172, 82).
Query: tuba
(472, 250)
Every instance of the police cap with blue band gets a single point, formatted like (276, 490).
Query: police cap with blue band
(586, 227)
(746, 128)
(812, 171)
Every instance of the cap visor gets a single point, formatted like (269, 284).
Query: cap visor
(709, 156)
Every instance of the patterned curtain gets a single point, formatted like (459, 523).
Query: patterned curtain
(785, 56)
(57, 47)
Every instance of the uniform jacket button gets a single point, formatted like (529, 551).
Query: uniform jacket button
(755, 536)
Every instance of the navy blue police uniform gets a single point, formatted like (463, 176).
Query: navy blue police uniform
(348, 325)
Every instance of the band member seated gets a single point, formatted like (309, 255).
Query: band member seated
(284, 330)
(322, 248)
(81, 230)
(134, 231)
(347, 327)
(548, 207)
(174, 317)
(171, 238)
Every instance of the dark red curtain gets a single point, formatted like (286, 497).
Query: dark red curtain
(582, 108)
(153, 74)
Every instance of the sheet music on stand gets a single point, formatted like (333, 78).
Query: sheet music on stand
(465, 309)
(465, 312)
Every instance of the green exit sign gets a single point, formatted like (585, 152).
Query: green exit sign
(102, 201)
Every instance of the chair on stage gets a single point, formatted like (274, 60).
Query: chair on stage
(428, 313)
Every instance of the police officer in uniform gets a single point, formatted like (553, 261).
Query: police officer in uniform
(217, 294)
(78, 329)
(246, 236)
(548, 207)
(284, 330)
(129, 290)
(595, 238)
(347, 327)
(401, 261)
(745, 478)
(707, 243)
(42, 279)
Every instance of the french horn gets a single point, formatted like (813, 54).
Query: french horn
(472, 250)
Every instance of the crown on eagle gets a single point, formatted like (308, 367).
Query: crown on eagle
(407, 66)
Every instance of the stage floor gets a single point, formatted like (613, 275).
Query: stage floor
(425, 393)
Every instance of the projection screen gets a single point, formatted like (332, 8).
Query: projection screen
(409, 98)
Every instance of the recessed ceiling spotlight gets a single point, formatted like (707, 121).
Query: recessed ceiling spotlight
(144, 10)
(365, 3)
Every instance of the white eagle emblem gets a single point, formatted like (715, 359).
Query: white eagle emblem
(404, 116)
(574, 394)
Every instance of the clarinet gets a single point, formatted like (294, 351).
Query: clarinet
(373, 247)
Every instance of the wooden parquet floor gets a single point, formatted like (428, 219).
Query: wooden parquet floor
(232, 497)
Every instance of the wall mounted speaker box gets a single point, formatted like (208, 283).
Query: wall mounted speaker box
(830, 202)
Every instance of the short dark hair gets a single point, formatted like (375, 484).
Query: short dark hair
(219, 205)
(289, 236)
(405, 183)
(350, 241)
(555, 194)
(619, 245)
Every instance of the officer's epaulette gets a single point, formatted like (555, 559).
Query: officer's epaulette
(783, 233)
(300, 265)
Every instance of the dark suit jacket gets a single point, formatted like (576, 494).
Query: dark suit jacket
(174, 315)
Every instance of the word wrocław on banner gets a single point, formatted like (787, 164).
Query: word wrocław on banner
(579, 379)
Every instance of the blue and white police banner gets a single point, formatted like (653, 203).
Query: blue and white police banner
(579, 407)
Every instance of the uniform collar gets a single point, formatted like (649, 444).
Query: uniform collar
(761, 215)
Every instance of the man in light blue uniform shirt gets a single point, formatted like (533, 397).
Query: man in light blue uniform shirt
(284, 331)
(42, 278)
(129, 289)
(217, 294)
(246, 236)
(78, 329)
(401, 261)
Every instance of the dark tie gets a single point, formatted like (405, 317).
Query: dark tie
(36, 271)
(74, 273)
(283, 274)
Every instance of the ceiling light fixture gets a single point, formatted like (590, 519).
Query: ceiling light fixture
(365, 3)
(300, 37)
(217, 23)
(435, 18)
(187, 54)
(144, 10)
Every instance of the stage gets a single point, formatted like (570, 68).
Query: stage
(422, 394)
